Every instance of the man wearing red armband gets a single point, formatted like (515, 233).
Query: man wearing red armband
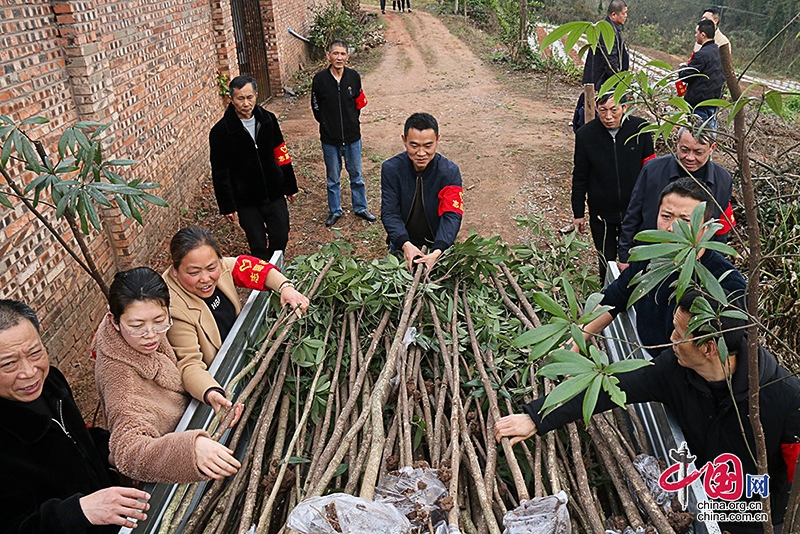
(337, 100)
(252, 170)
(421, 195)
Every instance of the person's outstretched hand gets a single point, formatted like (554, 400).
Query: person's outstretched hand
(518, 427)
(298, 302)
(115, 506)
(214, 459)
(217, 401)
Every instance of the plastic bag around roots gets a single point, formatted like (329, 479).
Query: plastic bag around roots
(648, 468)
(354, 515)
(540, 515)
(415, 492)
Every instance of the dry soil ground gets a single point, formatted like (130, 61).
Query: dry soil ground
(512, 142)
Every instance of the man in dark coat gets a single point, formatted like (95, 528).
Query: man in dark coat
(54, 471)
(252, 170)
(692, 381)
(609, 153)
(703, 74)
(609, 60)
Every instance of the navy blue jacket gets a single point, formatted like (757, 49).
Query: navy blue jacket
(606, 167)
(604, 63)
(335, 106)
(655, 175)
(247, 172)
(710, 425)
(654, 311)
(398, 184)
(43, 471)
(709, 83)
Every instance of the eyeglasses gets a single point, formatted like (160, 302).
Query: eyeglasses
(158, 328)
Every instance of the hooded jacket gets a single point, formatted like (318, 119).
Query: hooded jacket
(143, 400)
(712, 427)
(607, 167)
(247, 172)
(45, 470)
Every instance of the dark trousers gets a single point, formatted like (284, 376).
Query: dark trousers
(605, 236)
(267, 221)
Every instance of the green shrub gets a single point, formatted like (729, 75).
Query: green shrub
(331, 21)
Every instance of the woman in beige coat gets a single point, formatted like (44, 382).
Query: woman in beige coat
(140, 388)
(204, 304)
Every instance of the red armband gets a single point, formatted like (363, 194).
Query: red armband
(361, 100)
(251, 272)
(727, 221)
(451, 198)
(282, 155)
(790, 452)
(648, 158)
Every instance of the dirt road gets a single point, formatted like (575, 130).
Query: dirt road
(513, 148)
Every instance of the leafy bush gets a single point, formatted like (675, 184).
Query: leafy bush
(331, 21)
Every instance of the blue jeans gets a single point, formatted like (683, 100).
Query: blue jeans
(708, 115)
(351, 153)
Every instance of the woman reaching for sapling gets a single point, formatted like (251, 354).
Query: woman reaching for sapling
(204, 306)
(140, 388)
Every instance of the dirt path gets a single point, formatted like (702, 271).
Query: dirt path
(514, 151)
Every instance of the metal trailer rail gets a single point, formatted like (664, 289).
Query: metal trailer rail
(663, 433)
(229, 361)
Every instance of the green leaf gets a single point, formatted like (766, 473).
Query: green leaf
(549, 305)
(649, 281)
(554, 370)
(774, 100)
(714, 102)
(680, 103)
(593, 302)
(4, 201)
(298, 460)
(599, 357)
(563, 30)
(34, 120)
(737, 107)
(539, 334)
(91, 213)
(8, 147)
(6, 119)
(577, 337)
(608, 34)
(590, 399)
(626, 366)
(648, 252)
(685, 277)
(722, 348)
(658, 64)
(610, 385)
(4, 131)
(339, 470)
(153, 199)
(710, 282)
(571, 300)
(568, 389)
(123, 206)
(698, 214)
(121, 162)
(656, 236)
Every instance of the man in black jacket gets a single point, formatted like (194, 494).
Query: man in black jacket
(609, 153)
(337, 100)
(693, 158)
(703, 74)
(608, 60)
(252, 170)
(692, 381)
(54, 471)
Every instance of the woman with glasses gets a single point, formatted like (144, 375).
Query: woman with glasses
(140, 388)
(205, 304)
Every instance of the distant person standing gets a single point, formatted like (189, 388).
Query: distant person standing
(609, 153)
(713, 14)
(606, 60)
(337, 100)
(703, 74)
(252, 170)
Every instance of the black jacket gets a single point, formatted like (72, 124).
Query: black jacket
(708, 84)
(655, 310)
(606, 167)
(247, 173)
(337, 106)
(44, 471)
(398, 185)
(604, 63)
(643, 206)
(711, 426)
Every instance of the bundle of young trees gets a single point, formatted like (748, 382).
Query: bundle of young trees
(391, 369)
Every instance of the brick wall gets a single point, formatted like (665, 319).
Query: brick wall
(147, 67)
(285, 52)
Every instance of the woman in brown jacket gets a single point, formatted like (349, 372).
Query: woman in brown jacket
(204, 304)
(140, 388)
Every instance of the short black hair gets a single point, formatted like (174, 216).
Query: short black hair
(240, 81)
(14, 311)
(602, 99)
(136, 285)
(707, 27)
(615, 6)
(714, 11)
(421, 121)
(732, 328)
(340, 42)
(688, 187)
(187, 239)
